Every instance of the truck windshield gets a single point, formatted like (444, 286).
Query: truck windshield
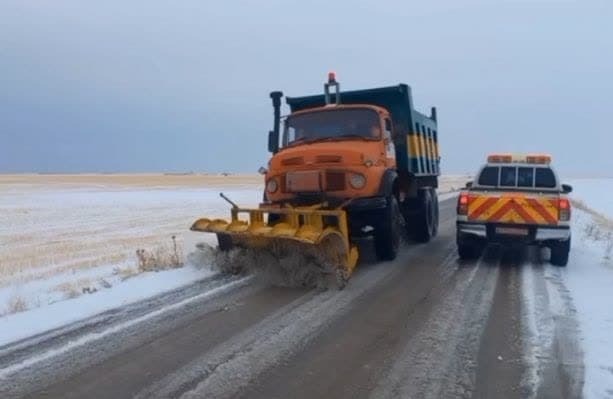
(333, 124)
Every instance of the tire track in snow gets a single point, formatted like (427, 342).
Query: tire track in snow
(441, 360)
(21, 349)
(553, 356)
(233, 365)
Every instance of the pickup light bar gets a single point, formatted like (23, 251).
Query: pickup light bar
(500, 158)
(538, 159)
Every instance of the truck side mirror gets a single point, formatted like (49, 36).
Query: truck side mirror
(567, 188)
(273, 142)
(469, 184)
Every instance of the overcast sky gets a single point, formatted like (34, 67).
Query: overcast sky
(138, 86)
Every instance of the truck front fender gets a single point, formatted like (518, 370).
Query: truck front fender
(388, 181)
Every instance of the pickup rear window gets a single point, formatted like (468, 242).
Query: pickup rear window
(489, 176)
(545, 178)
(517, 177)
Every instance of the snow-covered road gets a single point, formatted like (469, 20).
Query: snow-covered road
(509, 324)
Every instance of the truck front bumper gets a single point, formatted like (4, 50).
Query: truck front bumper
(488, 233)
(366, 204)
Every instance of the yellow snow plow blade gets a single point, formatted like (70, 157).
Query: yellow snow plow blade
(323, 230)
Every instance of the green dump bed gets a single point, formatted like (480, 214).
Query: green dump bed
(415, 134)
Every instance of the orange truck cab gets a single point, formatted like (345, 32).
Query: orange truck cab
(334, 154)
(367, 152)
(515, 199)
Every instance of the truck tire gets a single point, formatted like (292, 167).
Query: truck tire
(559, 253)
(388, 233)
(436, 212)
(426, 216)
(224, 242)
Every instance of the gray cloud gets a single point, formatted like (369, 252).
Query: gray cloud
(155, 85)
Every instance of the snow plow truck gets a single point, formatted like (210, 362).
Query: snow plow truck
(344, 166)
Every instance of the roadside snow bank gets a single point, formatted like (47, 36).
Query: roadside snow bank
(589, 278)
(56, 314)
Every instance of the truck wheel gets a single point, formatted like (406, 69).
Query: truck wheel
(224, 242)
(436, 212)
(559, 253)
(389, 231)
(424, 229)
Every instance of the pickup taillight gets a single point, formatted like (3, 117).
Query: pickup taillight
(463, 204)
(564, 209)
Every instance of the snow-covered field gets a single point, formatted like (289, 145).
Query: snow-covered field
(57, 242)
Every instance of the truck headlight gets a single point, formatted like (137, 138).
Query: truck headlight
(271, 185)
(357, 181)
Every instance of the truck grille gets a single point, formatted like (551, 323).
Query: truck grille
(335, 181)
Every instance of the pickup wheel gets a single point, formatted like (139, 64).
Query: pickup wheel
(426, 221)
(467, 251)
(388, 233)
(224, 242)
(559, 253)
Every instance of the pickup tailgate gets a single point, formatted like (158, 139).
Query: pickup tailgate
(513, 208)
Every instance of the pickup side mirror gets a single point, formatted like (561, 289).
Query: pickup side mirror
(469, 184)
(567, 188)
(273, 142)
